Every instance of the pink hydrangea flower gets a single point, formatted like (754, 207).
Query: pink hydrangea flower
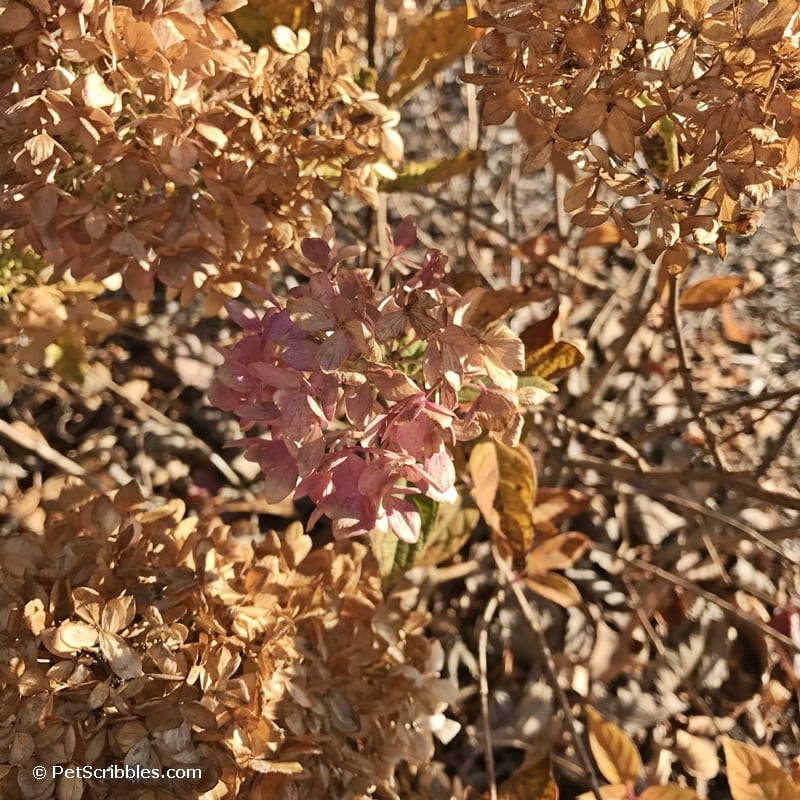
(357, 390)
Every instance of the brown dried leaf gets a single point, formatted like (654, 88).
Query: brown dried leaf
(617, 791)
(606, 235)
(94, 91)
(289, 41)
(71, 636)
(435, 43)
(44, 204)
(768, 27)
(735, 330)
(591, 217)
(118, 613)
(656, 20)
(14, 17)
(554, 587)
(668, 793)
(583, 121)
(579, 193)
(554, 506)
(40, 147)
(755, 773)
(504, 487)
(482, 307)
(558, 552)
(681, 64)
(125, 662)
(88, 604)
(620, 131)
(586, 41)
(35, 616)
(712, 292)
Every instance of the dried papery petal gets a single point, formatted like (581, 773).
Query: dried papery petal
(161, 125)
(193, 655)
(688, 91)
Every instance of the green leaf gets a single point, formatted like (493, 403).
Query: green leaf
(444, 530)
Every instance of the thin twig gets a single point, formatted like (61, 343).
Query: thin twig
(600, 436)
(658, 643)
(179, 427)
(684, 583)
(774, 446)
(685, 372)
(640, 307)
(483, 638)
(35, 445)
(511, 213)
(552, 670)
(723, 519)
(372, 23)
(680, 423)
(473, 143)
(741, 481)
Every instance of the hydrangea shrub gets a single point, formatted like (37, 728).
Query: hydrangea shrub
(362, 381)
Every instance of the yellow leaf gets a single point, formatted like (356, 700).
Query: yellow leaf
(553, 359)
(452, 526)
(444, 529)
(554, 587)
(753, 773)
(504, 481)
(668, 793)
(436, 42)
(616, 755)
(419, 174)
(532, 781)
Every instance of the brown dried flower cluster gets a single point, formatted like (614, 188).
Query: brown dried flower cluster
(136, 636)
(683, 113)
(147, 139)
